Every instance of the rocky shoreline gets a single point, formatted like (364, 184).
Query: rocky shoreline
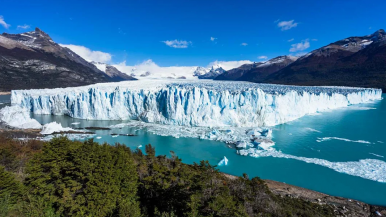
(341, 206)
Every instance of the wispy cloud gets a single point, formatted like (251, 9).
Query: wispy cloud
(89, 55)
(177, 43)
(262, 57)
(3, 23)
(314, 39)
(243, 44)
(291, 39)
(300, 46)
(25, 26)
(213, 38)
(286, 25)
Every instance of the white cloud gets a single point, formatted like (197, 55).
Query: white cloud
(291, 39)
(314, 39)
(89, 55)
(150, 70)
(300, 46)
(177, 44)
(262, 57)
(286, 25)
(25, 26)
(244, 44)
(3, 23)
(212, 38)
(227, 65)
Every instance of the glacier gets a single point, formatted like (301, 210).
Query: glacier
(202, 103)
(238, 113)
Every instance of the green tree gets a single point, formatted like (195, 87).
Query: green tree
(85, 178)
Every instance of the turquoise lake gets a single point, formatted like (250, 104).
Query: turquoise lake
(299, 138)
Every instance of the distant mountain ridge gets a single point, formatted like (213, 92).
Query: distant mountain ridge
(354, 61)
(33, 60)
(358, 61)
(113, 72)
(257, 71)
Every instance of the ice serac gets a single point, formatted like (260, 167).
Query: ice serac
(192, 103)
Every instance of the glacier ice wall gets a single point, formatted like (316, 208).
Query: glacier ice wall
(191, 103)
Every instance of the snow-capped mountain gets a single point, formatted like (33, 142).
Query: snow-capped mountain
(34, 60)
(150, 70)
(212, 73)
(257, 71)
(112, 72)
(354, 61)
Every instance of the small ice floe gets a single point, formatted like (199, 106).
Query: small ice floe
(75, 123)
(379, 141)
(98, 137)
(223, 162)
(115, 136)
(256, 132)
(139, 146)
(341, 139)
(313, 130)
(377, 155)
(266, 145)
(242, 145)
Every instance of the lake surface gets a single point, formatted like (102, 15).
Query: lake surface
(355, 133)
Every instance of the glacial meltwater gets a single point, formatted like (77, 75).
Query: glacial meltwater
(343, 135)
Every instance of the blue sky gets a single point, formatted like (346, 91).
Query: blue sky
(139, 30)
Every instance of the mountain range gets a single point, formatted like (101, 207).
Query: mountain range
(33, 60)
(358, 61)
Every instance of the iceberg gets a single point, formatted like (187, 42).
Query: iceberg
(54, 127)
(203, 103)
(223, 162)
(18, 117)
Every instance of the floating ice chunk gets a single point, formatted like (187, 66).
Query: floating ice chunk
(99, 137)
(75, 123)
(54, 127)
(342, 139)
(266, 145)
(223, 162)
(15, 116)
(377, 155)
(139, 146)
(313, 130)
(241, 145)
(254, 132)
(114, 136)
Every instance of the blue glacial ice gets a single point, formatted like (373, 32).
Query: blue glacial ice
(232, 112)
(191, 103)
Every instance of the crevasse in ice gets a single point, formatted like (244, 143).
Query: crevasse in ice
(191, 103)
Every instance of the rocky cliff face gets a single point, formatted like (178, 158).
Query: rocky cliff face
(33, 60)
